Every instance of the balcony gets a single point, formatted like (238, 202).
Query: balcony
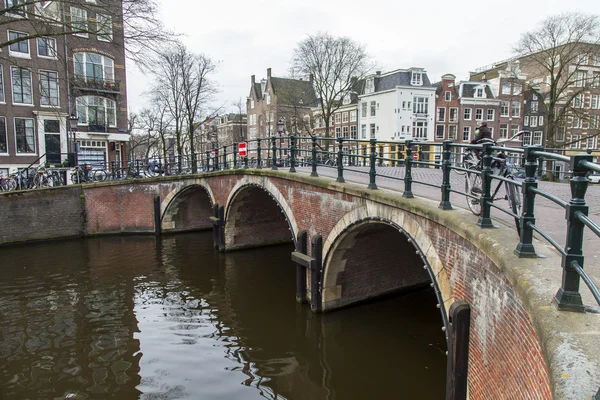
(96, 85)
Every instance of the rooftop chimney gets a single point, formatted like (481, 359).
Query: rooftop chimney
(268, 73)
(378, 72)
(252, 79)
(311, 77)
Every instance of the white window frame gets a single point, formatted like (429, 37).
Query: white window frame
(419, 129)
(467, 113)
(437, 128)
(372, 131)
(575, 143)
(84, 116)
(4, 151)
(363, 131)
(581, 79)
(541, 120)
(52, 48)
(12, 68)
(526, 120)
(506, 88)
(455, 119)
(33, 136)
(345, 116)
(533, 121)
(102, 23)
(452, 128)
(105, 68)
(479, 114)
(353, 132)
(503, 131)
(420, 105)
(591, 142)
(19, 54)
(443, 114)
(515, 109)
(448, 95)
(48, 72)
(491, 114)
(416, 78)
(467, 130)
(84, 21)
(345, 132)
(353, 115)
(2, 92)
(14, 13)
(534, 106)
(373, 109)
(505, 108)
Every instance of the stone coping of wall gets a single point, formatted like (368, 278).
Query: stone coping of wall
(570, 341)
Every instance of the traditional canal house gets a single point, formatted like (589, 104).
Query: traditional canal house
(62, 96)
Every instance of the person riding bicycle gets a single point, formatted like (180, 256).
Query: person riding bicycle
(483, 134)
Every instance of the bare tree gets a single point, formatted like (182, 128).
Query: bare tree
(552, 56)
(239, 106)
(332, 62)
(198, 91)
(142, 31)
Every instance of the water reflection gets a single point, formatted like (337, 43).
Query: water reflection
(134, 317)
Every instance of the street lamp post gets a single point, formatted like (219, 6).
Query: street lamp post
(73, 128)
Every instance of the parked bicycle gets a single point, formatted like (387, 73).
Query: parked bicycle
(501, 167)
(7, 183)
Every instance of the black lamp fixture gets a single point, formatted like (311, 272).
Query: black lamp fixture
(280, 126)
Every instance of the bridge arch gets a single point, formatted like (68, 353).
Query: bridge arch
(392, 236)
(188, 207)
(257, 213)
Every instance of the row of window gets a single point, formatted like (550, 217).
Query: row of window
(343, 116)
(24, 132)
(46, 47)
(453, 114)
(343, 132)
(419, 130)
(589, 122)
(533, 121)
(580, 101)
(581, 80)
(22, 87)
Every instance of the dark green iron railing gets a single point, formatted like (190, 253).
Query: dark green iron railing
(353, 155)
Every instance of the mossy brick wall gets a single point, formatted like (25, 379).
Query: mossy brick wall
(41, 214)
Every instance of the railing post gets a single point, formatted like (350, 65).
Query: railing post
(314, 156)
(372, 170)
(224, 157)
(207, 161)
(408, 175)
(217, 158)
(258, 154)
(340, 160)
(274, 149)
(525, 247)
(446, 153)
(235, 150)
(568, 296)
(485, 220)
(292, 153)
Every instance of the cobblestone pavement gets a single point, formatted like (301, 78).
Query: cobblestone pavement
(549, 216)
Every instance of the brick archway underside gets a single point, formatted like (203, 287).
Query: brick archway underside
(254, 218)
(189, 210)
(372, 259)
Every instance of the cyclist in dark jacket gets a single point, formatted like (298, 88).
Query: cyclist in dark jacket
(484, 133)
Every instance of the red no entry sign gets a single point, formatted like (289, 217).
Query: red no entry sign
(416, 156)
(242, 149)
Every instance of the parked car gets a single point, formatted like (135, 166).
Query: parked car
(594, 178)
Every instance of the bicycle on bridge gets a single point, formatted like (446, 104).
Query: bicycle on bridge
(502, 169)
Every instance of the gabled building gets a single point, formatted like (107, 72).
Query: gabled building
(46, 79)
(477, 104)
(447, 105)
(534, 121)
(396, 106)
(278, 100)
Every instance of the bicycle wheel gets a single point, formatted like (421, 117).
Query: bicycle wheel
(40, 181)
(473, 186)
(77, 177)
(100, 175)
(514, 201)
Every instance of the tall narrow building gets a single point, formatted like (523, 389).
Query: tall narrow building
(73, 69)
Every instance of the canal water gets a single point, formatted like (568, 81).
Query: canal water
(137, 317)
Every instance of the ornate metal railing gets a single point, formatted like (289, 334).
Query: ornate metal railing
(334, 153)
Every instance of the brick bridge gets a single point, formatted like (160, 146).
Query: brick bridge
(360, 244)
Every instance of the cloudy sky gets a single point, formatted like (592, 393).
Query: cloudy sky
(247, 37)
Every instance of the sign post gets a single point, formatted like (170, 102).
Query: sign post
(242, 149)
(416, 156)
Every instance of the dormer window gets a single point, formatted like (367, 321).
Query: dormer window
(346, 99)
(448, 96)
(479, 92)
(370, 86)
(417, 79)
